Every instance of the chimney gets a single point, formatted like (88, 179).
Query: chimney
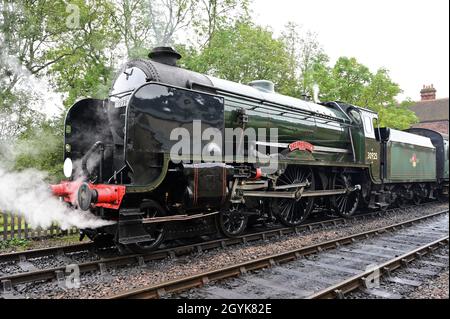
(428, 92)
(165, 55)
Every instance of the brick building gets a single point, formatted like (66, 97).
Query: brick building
(432, 112)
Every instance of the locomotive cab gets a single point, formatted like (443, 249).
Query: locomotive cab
(367, 138)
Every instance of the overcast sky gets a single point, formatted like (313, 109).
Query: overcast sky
(408, 37)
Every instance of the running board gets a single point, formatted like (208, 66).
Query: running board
(300, 193)
(175, 218)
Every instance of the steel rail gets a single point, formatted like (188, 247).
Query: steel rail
(358, 281)
(178, 285)
(98, 265)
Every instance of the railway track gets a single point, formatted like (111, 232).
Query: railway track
(416, 277)
(324, 275)
(25, 255)
(9, 281)
(361, 281)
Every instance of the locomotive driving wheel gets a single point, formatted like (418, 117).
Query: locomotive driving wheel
(292, 212)
(345, 204)
(233, 220)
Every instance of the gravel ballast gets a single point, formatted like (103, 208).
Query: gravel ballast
(435, 289)
(433, 282)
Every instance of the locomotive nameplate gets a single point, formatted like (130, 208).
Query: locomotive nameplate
(301, 146)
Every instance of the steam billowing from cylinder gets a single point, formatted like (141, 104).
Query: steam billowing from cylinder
(27, 194)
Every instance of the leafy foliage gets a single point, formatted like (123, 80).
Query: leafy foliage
(397, 116)
(88, 67)
(39, 44)
(41, 148)
(214, 15)
(352, 82)
(242, 53)
(15, 242)
(305, 53)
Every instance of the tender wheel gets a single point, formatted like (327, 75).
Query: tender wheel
(402, 198)
(344, 205)
(232, 221)
(364, 198)
(292, 212)
(419, 194)
(417, 199)
(156, 231)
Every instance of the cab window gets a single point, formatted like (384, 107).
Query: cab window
(355, 116)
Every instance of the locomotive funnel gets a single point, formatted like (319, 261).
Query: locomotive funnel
(165, 55)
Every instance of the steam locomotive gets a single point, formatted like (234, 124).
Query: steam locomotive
(120, 160)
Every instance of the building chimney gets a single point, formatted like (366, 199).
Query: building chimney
(428, 92)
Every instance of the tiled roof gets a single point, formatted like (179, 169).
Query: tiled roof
(432, 110)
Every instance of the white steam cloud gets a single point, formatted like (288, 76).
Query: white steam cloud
(316, 91)
(26, 193)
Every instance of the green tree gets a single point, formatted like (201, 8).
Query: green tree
(397, 116)
(21, 57)
(41, 148)
(380, 91)
(213, 15)
(15, 115)
(69, 43)
(352, 82)
(88, 71)
(242, 53)
(349, 80)
(306, 54)
(44, 41)
(143, 24)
